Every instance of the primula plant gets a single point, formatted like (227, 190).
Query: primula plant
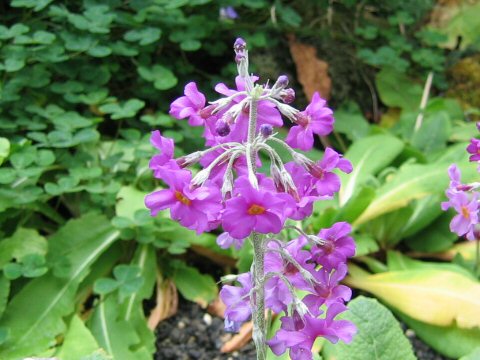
(297, 277)
(464, 199)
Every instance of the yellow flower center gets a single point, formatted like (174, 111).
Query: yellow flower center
(255, 210)
(180, 197)
(465, 212)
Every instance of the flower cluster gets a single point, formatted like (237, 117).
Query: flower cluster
(230, 192)
(464, 198)
(290, 269)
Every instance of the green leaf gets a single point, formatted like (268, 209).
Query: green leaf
(350, 121)
(379, 335)
(37, 5)
(411, 182)
(132, 307)
(475, 354)
(129, 280)
(124, 110)
(397, 90)
(193, 285)
(434, 238)
(162, 77)
(105, 286)
(368, 156)
(190, 45)
(79, 242)
(436, 296)
(116, 336)
(143, 36)
(4, 149)
(129, 201)
(22, 243)
(450, 340)
(433, 134)
(365, 245)
(78, 341)
(4, 292)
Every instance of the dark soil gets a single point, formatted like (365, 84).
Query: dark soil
(193, 334)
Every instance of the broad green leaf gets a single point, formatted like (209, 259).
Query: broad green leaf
(34, 325)
(365, 245)
(354, 207)
(22, 243)
(37, 5)
(450, 340)
(129, 279)
(465, 24)
(387, 229)
(379, 335)
(396, 261)
(131, 309)
(193, 285)
(4, 149)
(116, 336)
(105, 286)
(397, 90)
(162, 77)
(425, 211)
(412, 181)
(350, 121)
(143, 36)
(129, 200)
(368, 156)
(435, 237)
(467, 249)
(123, 110)
(474, 355)
(433, 134)
(78, 341)
(437, 297)
(4, 292)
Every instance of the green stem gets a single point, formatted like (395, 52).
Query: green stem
(258, 315)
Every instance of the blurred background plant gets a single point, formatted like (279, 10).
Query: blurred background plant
(86, 273)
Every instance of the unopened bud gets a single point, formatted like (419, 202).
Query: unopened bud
(222, 128)
(288, 96)
(266, 130)
(239, 45)
(189, 159)
(282, 82)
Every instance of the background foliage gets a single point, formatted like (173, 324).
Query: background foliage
(83, 84)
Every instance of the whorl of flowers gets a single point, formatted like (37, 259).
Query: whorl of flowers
(230, 192)
(464, 198)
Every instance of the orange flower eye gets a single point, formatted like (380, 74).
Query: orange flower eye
(256, 210)
(180, 197)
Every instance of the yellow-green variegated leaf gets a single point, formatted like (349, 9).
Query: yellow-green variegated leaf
(412, 181)
(434, 296)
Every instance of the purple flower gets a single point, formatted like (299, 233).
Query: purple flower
(316, 119)
(163, 160)
(237, 301)
(278, 296)
(300, 340)
(197, 209)
(467, 211)
(306, 191)
(228, 12)
(224, 240)
(328, 183)
(327, 289)
(267, 113)
(252, 209)
(337, 248)
(191, 106)
(474, 149)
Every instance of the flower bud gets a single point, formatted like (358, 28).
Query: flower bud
(222, 128)
(266, 130)
(288, 96)
(282, 82)
(239, 45)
